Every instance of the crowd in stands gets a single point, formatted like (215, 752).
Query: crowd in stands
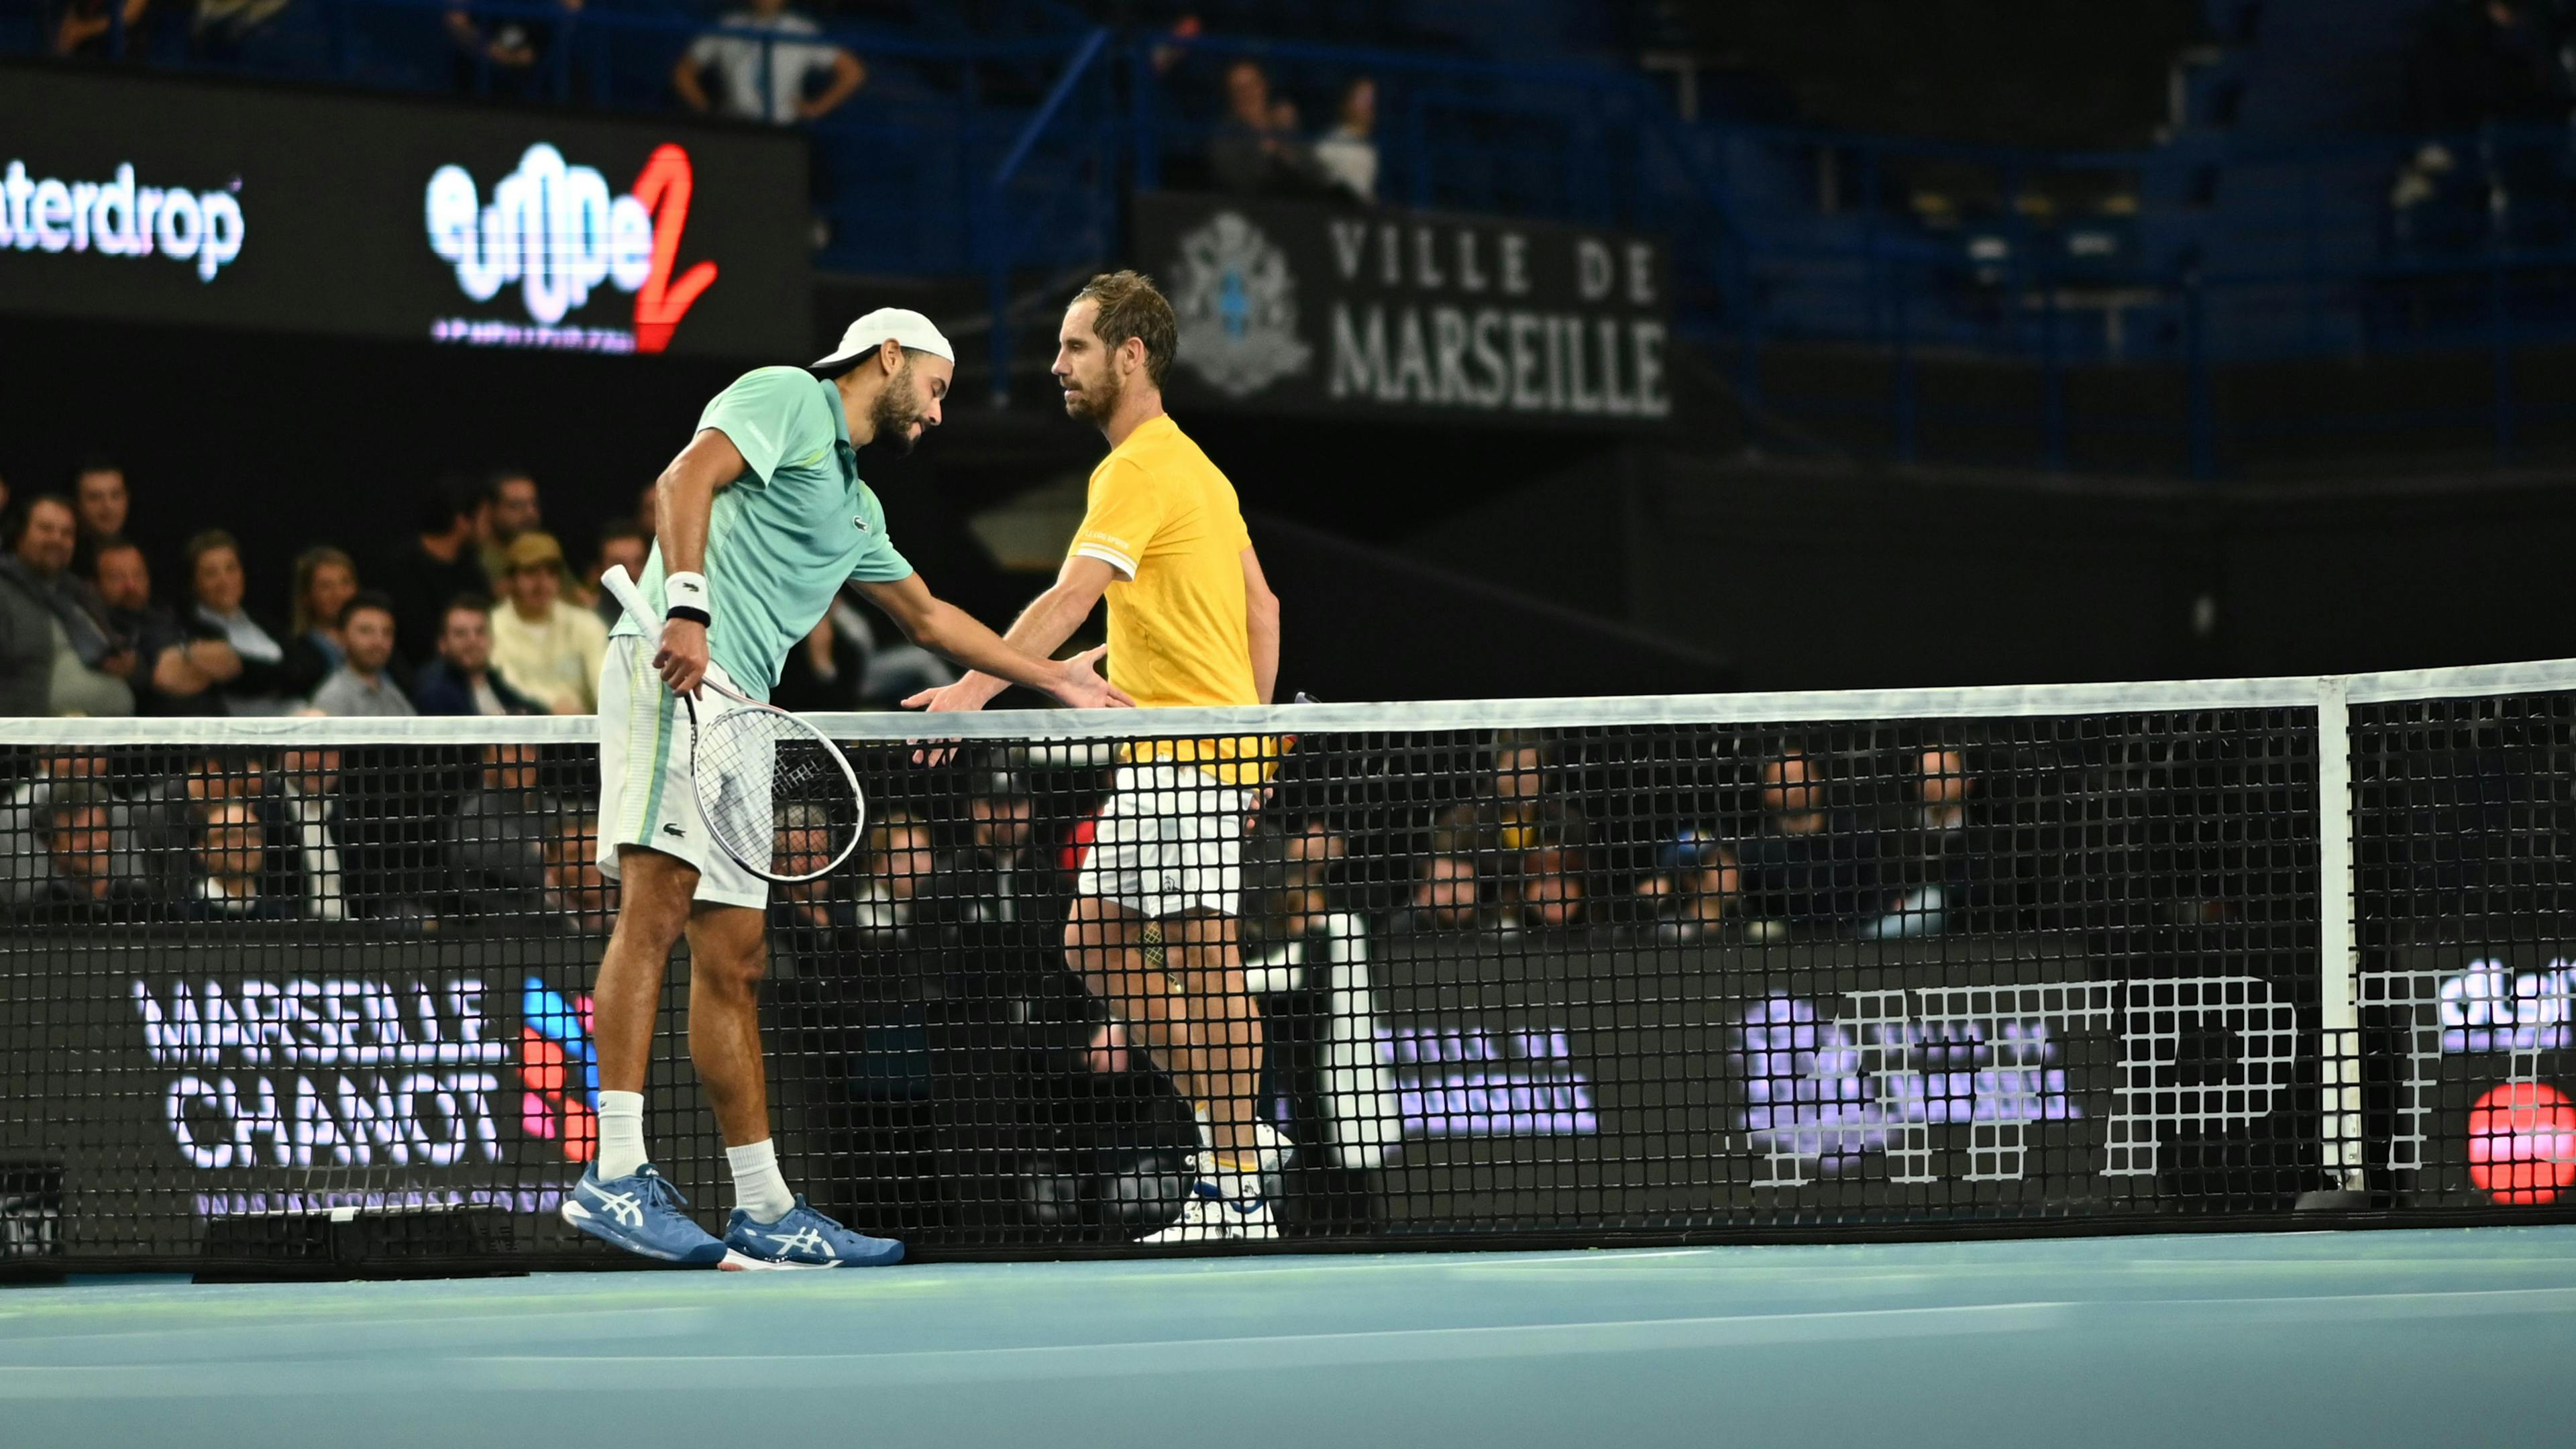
(478, 611)
(2504, 71)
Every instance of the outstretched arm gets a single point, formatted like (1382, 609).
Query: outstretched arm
(1261, 616)
(1041, 629)
(943, 628)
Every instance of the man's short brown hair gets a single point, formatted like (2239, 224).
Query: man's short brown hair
(1132, 306)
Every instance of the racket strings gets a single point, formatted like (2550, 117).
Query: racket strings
(780, 796)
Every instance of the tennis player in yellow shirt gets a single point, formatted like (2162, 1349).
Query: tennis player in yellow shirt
(1191, 622)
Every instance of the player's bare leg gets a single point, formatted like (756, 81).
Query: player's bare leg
(728, 956)
(1206, 959)
(621, 1199)
(652, 913)
(1112, 949)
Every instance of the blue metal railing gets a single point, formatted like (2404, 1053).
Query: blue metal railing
(1009, 160)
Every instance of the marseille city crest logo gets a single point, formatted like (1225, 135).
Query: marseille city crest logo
(1238, 307)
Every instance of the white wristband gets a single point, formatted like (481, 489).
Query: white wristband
(684, 590)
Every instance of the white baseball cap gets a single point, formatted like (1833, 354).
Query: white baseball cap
(898, 324)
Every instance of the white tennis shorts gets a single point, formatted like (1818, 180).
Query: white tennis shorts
(646, 794)
(1170, 841)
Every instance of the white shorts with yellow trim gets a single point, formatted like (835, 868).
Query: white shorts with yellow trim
(646, 794)
(1169, 841)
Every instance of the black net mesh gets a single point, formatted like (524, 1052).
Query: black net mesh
(1579, 983)
(2464, 826)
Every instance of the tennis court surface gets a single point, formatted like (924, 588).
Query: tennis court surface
(2419, 1336)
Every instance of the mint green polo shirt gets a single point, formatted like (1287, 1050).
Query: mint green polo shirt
(787, 533)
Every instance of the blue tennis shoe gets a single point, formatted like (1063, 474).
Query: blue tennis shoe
(641, 1213)
(803, 1239)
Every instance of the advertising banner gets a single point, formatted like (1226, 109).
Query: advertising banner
(153, 199)
(2482, 1042)
(190, 1082)
(1697, 1085)
(1301, 307)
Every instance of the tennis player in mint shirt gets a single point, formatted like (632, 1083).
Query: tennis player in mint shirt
(763, 518)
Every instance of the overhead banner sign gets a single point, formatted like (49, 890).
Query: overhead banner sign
(1297, 307)
(148, 199)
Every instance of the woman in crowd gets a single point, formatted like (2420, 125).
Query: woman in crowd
(325, 581)
(214, 572)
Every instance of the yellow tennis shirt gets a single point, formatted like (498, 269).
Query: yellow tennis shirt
(1163, 517)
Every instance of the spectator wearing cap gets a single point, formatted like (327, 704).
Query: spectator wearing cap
(212, 568)
(509, 508)
(461, 679)
(362, 686)
(546, 645)
(86, 667)
(439, 564)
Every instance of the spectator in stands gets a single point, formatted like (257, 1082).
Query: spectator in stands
(26, 639)
(509, 507)
(222, 26)
(1694, 886)
(1448, 893)
(212, 563)
(173, 668)
(229, 853)
(1808, 869)
(78, 826)
(309, 809)
(1931, 873)
(1347, 155)
(994, 901)
(1247, 154)
(440, 564)
(325, 581)
(500, 56)
(901, 858)
(88, 28)
(361, 686)
(26, 873)
(577, 894)
(496, 837)
(821, 674)
(626, 545)
(547, 646)
(762, 78)
(807, 914)
(461, 679)
(87, 666)
(99, 496)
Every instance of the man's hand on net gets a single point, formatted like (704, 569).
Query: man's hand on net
(1083, 686)
(963, 697)
(682, 659)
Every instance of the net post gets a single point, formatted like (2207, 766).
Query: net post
(2338, 952)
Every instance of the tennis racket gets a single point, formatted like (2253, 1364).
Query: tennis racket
(776, 793)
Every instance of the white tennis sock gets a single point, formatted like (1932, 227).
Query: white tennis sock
(758, 1189)
(621, 1134)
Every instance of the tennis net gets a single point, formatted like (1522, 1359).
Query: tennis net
(1565, 971)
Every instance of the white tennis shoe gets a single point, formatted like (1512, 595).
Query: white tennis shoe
(1212, 1217)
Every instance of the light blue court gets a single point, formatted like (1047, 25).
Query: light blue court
(2418, 1337)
